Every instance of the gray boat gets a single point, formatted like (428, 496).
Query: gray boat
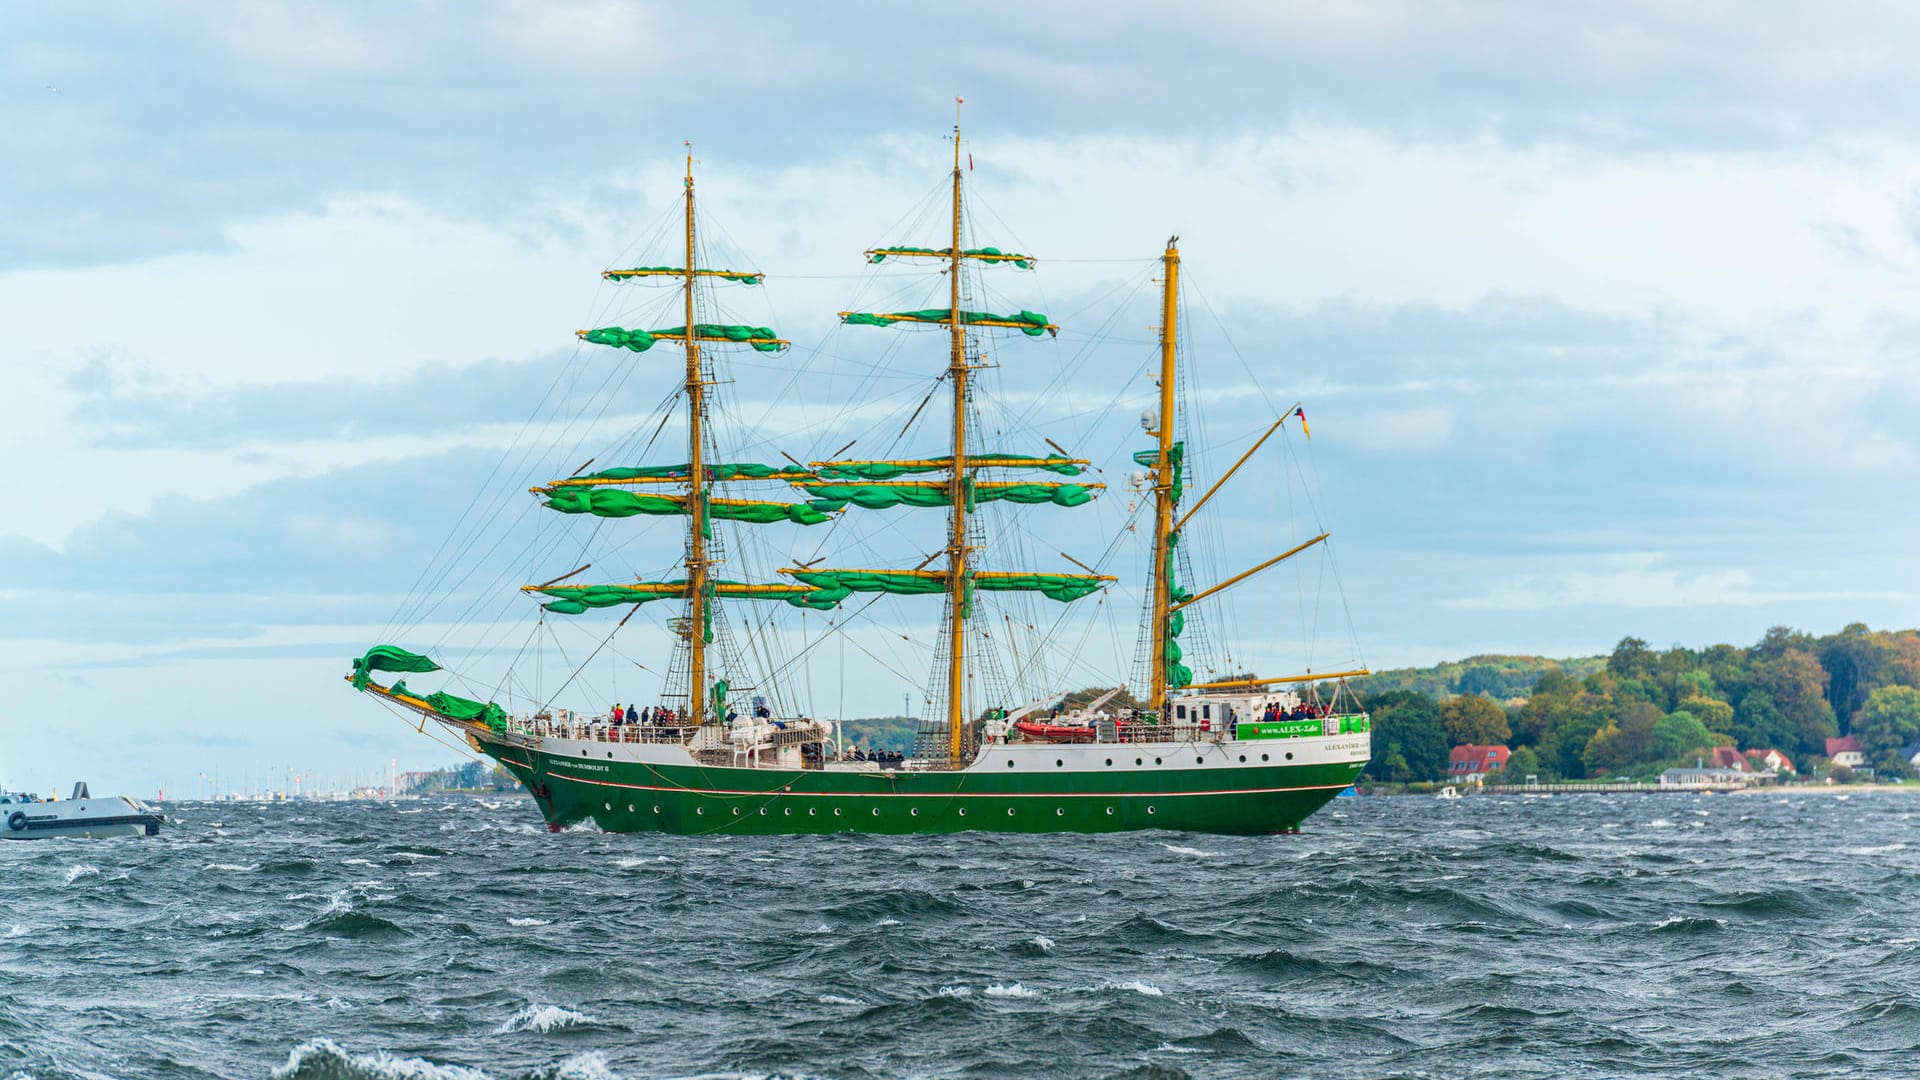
(29, 817)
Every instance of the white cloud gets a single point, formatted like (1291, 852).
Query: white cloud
(1633, 580)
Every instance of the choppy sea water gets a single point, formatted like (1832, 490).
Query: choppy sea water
(1767, 935)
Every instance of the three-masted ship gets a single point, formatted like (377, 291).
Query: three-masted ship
(1239, 755)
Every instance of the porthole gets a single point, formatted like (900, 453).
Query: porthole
(836, 811)
(812, 810)
(963, 811)
(1156, 761)
(1199, 761)
(1059, 811)
(629, 808)
(1263, 757)
(789, 811)
(1109, 763)
(1289, 755)
(656, 809)
(1009, 763)
(1243, 759)
(1109, 811)
(1137, 761)
(1059, 763)
(876, 811)
(609, 753)
(1151, 810)
(609, 806)
(736, 811)
(1009, 811)
(700, 810)
(763, 811)
(914, 812)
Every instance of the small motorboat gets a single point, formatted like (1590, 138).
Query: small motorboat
(1449, 792)
(29, 817)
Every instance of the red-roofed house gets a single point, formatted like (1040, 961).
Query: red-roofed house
(1726, 757)
(1470, 763)
(1770, 760)
(1846, 750)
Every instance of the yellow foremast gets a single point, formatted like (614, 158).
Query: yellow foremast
(697, 602)
(957, 514)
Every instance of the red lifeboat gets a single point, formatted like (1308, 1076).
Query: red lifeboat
(1053, 732)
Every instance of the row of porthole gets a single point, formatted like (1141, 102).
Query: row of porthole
(914, 811)
(1061, 763)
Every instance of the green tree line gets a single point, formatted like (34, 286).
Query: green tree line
(1640, 710)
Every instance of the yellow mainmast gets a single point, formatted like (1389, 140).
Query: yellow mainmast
(696, 488)
(957, 516)
(1163, 475)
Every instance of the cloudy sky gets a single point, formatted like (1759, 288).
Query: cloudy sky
(1604, 316)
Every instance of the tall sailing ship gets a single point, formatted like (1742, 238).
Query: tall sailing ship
(722, 753)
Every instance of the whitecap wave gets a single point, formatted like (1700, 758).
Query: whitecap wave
(1139, 987)
(75, 873)
(15, 930)
(543, 1019)
(323, 1058)
(529, 922)
(1043, 942)
(836, 999)
(591, 1065)
(1014, 990)
(956, 991)
(234, 868)
(1196, 852)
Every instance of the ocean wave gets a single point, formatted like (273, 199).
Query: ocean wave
(956, 991)
(513, 921)
(1012, 990)
(323, 1059)
(543, 1019)
(75, 873)
(1137, 987)
(234, 868)
(836, 999)
(1179, 850)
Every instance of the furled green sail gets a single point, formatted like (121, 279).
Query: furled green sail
(887, 470)
(741, 276)
(883, 496)
(388, 658)
(761, 338)
(575, 599)
(614, 503)
(1029, 323)
(838, 584)
(990, 254)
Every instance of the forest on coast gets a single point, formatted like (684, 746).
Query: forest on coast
(1640, 710)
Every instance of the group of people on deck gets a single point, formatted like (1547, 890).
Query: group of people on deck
(1303, 711)
(660, 716)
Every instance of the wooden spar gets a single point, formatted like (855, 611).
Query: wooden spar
(583, 569)
(1163, 479)
(1245, 574)
(1080, 564)
(1218, 484)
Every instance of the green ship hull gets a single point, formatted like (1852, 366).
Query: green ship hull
(627, 796)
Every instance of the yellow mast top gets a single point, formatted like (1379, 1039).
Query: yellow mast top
(1163, 476)
(957, 514)
(697, 602)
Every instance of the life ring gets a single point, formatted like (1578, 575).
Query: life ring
(18, 821)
